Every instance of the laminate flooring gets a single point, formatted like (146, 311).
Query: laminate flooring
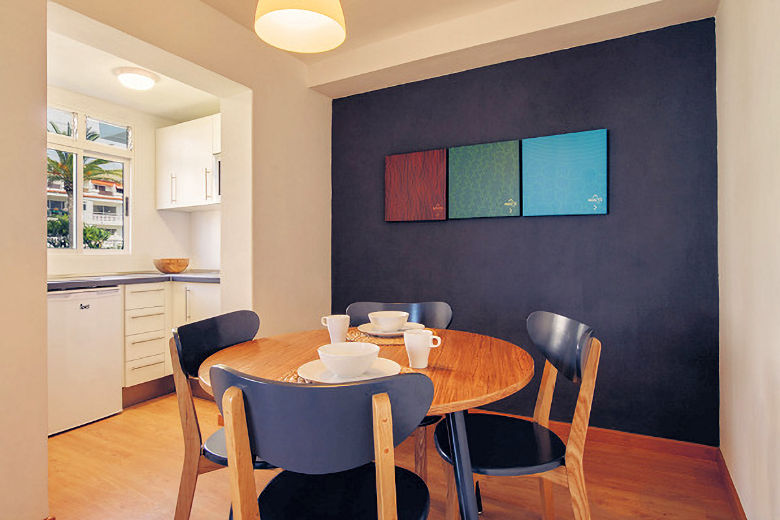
(128, 467)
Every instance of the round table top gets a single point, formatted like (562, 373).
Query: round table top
(467, 370)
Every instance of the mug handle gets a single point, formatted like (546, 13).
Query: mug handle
(435, 341)
(324, 321)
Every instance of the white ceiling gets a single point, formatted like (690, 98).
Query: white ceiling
(369, 21)
(391, 42)
(77, 67)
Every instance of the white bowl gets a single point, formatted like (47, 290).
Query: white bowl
(348, 359)
(388, 321)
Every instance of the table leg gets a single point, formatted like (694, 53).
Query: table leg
(464, 479)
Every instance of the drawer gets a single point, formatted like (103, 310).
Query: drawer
(138, 321)
(144, 295)
(144, 345)
(144, 369)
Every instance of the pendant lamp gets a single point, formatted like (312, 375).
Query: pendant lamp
(305, 26)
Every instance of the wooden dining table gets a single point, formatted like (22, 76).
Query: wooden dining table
(468, 370)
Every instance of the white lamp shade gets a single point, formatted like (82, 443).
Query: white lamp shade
(305, 26)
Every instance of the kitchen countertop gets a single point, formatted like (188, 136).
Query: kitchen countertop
(89, 282)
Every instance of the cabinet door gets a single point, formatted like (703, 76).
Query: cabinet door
(167, 166)
(185, 164)
(201, 301)
(196, 170)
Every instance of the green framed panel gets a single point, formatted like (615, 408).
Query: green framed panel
(484, 180)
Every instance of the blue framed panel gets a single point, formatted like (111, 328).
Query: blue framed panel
(565, 174)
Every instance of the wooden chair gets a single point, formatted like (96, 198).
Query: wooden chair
(325, 436)
(190, 346)
(509, 446)
(436, 315)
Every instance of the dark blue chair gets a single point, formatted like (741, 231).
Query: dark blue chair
(190, 346)
(325, 436)
(509, 446)
(435, 315)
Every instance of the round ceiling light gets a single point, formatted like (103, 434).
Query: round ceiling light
(305, 26)
(135, 78)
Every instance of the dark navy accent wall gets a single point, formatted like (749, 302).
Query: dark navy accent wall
(644, 276)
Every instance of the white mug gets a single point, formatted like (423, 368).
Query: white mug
(337, 327)
(419, 343)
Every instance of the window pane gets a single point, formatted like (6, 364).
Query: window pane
(59, 121)
(106, 133)
(104, 204)
(60, 216)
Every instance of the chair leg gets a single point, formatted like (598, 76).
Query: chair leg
(189, 477)
(479, 496)
(421, 452)
(545, 490)
(579, 495)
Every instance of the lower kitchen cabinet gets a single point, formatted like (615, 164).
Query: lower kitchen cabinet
(144, 369)
(195, 301)
(151, 312)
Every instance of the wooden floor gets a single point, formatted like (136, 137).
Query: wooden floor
(127, 466)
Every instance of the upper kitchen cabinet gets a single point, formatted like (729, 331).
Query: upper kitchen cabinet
(188, 167)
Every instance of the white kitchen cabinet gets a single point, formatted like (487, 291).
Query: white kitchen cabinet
(194, 301)
(147, 319)
(187, 169)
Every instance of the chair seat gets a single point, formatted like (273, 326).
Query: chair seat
(429, 420)
(501, 445)
(214, 449)
(336, 496)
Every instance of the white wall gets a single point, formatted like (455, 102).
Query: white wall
(748, 68)
(205, 239)
(23, 486)
(154, 234)
(236, 233)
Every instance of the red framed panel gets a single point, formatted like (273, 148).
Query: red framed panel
(416, 186)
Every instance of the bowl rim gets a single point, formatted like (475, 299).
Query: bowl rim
(388, 313)
(370, 348)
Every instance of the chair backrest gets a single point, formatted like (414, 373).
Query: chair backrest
(571, 348)
(317, 429)
(190, 346)
(436, 315)
(563, 341)
(198, 340)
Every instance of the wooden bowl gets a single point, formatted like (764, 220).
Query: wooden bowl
(171, 265)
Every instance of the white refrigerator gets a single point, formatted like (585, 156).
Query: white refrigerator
(85, 356)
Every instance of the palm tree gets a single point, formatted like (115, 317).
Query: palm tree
(60, 168)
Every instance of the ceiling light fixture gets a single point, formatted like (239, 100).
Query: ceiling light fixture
(135, 78)
(304, 26)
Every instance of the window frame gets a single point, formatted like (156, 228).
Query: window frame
(81, 147)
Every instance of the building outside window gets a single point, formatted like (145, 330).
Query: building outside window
(87, 171)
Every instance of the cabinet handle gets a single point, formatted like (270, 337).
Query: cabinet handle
(146, 315)
(145, 340)
(146, 290)
(147, 365)
(206, 182)
(187, 304)
(173, 188)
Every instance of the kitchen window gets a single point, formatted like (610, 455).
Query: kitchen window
(87, 175)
